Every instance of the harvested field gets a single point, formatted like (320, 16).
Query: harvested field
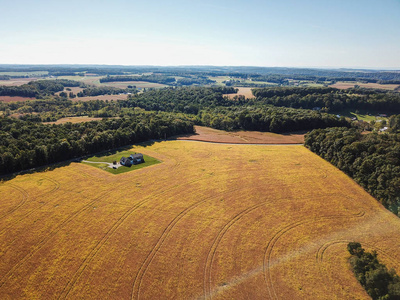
(15, 99)
(74, 90)
(101, 97)
(16, 81)
(347, 85)
(82, 119)
(206, 134)
(138, 84)
(242, 91)
(211, 221)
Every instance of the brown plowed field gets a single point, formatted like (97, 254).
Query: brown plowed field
(347, 85)
(16, 81)
(244, 91)
(211, 221)
(206, 134)
(14, 99)
(100, 97)
(73, 120)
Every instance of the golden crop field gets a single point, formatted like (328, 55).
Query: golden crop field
(212, 221)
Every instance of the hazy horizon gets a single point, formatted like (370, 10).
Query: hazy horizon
(293, 34)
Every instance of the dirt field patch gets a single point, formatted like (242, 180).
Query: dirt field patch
(207, 134)
(101, 97)
(242, 91)
(138, 84)
(73, 120)
(347, 85)
(212, 221)
(16, 81)
(14, 99)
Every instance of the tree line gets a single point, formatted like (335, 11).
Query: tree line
(330, 99)
(25, 144)
(39, 88)
(379, 282)
(372, 160)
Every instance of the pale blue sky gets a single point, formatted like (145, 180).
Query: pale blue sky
(318, 33)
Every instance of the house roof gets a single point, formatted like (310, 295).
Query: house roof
(137, 155)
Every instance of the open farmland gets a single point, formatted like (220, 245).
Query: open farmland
(242, 91)
(347, 85)
(15, 99)
(16, 81)
(74, 120)
(207, 134)
(213, 221)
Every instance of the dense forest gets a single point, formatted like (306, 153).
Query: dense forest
(372, 160)
(379, 282)
(330, 99)
(39, 88)
(25, 144)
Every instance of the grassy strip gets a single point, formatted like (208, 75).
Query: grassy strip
(110, 157)
(378, 281)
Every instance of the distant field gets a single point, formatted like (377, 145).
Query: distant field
(101, 97)
(91, 80)
(95, 80)
(347, 85)
(212, 221)
(16, 81)
(73, 120)
(34, 73)
(242, 91)
(138, 84)
(207, 134)
(14, 99)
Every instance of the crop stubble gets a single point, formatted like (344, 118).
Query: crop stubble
(212, 221)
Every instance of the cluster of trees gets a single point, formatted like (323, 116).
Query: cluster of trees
(25, 145)
(187, 99)
(200, 80)
(372, 160)
(378, 281)
(329, 98)
(39, 88)
(267, 118)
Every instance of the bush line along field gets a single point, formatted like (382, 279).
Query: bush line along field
(212, 221)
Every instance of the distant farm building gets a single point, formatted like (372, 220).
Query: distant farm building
(133, 159)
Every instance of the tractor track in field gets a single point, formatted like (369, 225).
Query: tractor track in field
(272, 242)
(68, 288)
(211, 253)
(43, 241)
(319, 257)
(149, 258)
(57, 186)
(25, 197)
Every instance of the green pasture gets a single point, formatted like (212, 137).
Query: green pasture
(112, 156)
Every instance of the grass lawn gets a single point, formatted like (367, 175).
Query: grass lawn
(116, 156)
(363, 115)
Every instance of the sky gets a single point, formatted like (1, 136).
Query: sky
(284, 33)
